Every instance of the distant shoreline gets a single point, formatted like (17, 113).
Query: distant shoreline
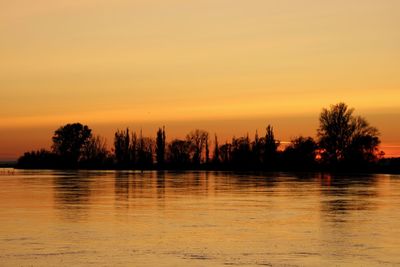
(395, 169)
(8, 164)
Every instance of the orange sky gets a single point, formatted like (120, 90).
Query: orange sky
(226, 66)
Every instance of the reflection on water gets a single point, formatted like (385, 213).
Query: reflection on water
(198, 218)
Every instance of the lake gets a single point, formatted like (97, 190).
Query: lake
(127, 218)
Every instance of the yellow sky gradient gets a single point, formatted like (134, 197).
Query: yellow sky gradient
(228, 66)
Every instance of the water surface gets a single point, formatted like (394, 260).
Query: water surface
(104, 218)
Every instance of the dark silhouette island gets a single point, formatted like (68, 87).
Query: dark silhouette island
(344, 143)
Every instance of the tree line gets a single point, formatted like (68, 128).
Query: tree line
(344, 141)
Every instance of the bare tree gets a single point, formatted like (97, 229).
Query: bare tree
(198, 139)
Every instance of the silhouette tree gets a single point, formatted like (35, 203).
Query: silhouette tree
(225, 153)
(145, 152)
(69, 141)
(345, 138)
(207, 151)
(95, 153)
(179, 153)
(216, 151)
(133, 149)
(257, 149)
(301, 153)
(364, 143)
(241, 152)
(197, 139)
(270, 148)
(41, 159)
(122, 148)
(160, 147)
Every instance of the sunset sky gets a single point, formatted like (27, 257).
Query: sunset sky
(229, 67)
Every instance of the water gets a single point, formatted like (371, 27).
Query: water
(107, 218)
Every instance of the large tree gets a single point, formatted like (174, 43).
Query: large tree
(344, 137)
(69, 142)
